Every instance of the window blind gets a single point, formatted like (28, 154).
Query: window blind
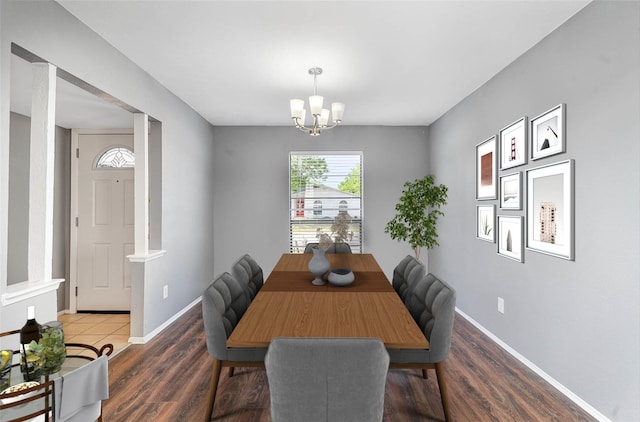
(325, 198)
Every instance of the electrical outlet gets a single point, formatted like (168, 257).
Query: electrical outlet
(500, 305)
(165, 292)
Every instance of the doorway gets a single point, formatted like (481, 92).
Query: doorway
(102, 234)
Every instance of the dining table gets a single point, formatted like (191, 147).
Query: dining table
(289, 305)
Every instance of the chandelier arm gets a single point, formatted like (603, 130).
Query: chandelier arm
(315, 128)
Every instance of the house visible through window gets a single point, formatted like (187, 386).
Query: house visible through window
(326, 198)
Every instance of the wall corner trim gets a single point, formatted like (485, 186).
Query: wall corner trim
(557, 385)
(151, 335)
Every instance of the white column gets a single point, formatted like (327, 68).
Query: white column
(41, 175)
(141, 183)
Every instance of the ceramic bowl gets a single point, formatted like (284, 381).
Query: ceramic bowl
(19, 387)
(341, 277)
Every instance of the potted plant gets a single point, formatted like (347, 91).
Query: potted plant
(417, 213)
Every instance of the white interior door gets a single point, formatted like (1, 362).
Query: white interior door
(105, 233)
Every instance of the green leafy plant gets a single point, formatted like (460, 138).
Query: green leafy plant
(417, 213)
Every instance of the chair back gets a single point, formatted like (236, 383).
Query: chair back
(333, 248)
(432, 304)
(405, 275)
(247, 271)
(342, 248)
(326, 379)
(223, 304)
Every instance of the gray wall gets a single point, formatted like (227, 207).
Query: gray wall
(48, 30)
(578, 321)
(18, 227)
(251, 186)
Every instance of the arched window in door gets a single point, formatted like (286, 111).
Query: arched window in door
(116, 157)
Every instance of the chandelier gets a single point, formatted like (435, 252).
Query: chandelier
(320, 115)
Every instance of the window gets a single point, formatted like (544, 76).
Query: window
(325, 194)
(117, 157)
(317, 208)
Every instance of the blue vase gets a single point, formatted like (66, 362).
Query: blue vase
(319, 265)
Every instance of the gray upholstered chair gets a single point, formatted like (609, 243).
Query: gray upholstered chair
(247, 271)
(223, 304)
(432, 304)
(341, 248)
(326, 379)
(406, 274)
(334, 248)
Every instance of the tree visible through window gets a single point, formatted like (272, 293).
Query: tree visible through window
(325, 188)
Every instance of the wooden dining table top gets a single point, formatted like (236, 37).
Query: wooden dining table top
(288, 305)
(364, 262)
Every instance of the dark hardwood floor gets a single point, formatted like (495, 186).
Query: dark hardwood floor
(167, 379)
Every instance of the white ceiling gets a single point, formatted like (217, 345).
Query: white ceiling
(391, 62)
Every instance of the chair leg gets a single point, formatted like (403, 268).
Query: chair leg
(231, 370)
(425, 374)
(442, 384)
(213, 388)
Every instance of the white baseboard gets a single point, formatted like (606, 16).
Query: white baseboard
(558, 386)
(148, 337)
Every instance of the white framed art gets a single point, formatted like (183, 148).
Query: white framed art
(550, 222)
(486, 169)
(510, 237)
(513, 144)
(485, 222)
(547, 133)
(511, 191)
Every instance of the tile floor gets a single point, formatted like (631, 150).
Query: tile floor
(96, 329)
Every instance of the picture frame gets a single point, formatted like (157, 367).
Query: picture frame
(547, 133)
(513, 144)
(510, 237)
(486, 170)
(550, 209)
(511, 191)
(485, 222)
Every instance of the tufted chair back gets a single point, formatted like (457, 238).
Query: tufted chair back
(333, 248)
(432, 304)
(247, 271)
(326, 379)
(406, 275)
(223, 304)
